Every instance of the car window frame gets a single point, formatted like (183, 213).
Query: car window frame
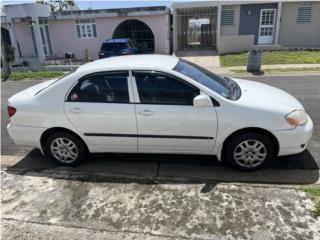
(166, 74)
(85, 77)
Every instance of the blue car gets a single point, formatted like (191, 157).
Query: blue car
(117, 47)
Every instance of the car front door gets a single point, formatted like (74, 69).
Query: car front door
(99, 107)
(166, 118)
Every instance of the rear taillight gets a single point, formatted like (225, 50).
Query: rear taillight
(11, 111)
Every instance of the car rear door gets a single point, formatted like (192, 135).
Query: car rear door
(99, 107)
(166, 118)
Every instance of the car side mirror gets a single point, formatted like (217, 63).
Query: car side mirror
(202, 101)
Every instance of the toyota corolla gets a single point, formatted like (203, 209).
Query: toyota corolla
(158, 104)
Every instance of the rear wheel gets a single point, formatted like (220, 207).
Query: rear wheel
(249, 151)
(65, 149)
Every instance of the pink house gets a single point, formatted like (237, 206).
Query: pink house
(38, 34)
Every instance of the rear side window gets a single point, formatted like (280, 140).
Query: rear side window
(158, 88)
(113, 46)
(109, 87)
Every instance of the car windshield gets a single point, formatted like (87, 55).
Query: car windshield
(113, 46)
(203, 76)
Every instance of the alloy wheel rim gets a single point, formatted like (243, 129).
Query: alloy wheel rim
(64, 150)
(250, 153)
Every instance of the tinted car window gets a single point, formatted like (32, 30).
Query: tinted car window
(107, 87)
(113, 46)
(158, 88)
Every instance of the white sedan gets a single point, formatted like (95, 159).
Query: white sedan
(158, 104)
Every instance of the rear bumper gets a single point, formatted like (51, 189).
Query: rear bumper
(295, 140)
(25, 135)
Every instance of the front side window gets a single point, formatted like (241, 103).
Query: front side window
(304, 13)
(203, 76)
(159, 88)
(227, 15)
(102, 87)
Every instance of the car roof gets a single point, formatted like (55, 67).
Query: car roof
(131, 62)
(117, 40)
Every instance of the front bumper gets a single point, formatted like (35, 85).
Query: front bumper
(25, 135)
(294, 140)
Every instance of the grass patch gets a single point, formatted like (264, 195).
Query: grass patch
(272, 57)
(314, 193)
(19, 75)
(281, 70)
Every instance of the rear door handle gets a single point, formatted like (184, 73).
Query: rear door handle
(76, 110)
(146, 112)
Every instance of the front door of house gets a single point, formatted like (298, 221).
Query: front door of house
(267, 26)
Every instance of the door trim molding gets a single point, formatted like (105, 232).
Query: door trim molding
(146, 136)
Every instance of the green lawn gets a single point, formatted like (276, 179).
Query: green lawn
(272, 57)
(314, 193)
(281, 70)
(18, 75)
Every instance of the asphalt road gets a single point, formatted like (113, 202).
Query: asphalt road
(304, 88)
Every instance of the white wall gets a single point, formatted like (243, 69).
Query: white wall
(64, 38)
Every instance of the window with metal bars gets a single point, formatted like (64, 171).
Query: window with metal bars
(304, 13)
(86, 28)
(227, 15)
(137, 31)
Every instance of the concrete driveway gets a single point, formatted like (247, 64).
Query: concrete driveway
(131, 196)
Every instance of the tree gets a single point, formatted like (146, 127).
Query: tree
(58, 5)
(7, 54)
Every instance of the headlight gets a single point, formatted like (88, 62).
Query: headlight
(297, 117)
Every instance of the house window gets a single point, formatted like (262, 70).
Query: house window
(304, 14)
(86, 28)
(227, 15)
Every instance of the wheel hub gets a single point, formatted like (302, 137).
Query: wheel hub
(250, 153)
(64, 150)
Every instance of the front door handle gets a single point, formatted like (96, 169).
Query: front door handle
(146, 112)
(76, 110)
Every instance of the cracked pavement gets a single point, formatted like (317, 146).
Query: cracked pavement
(36, 204)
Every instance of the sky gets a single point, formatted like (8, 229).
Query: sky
(82, 4)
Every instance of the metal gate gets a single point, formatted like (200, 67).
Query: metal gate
(137, 31)
(196, 28)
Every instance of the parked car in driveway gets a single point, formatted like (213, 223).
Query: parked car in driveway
(117, 47)
(158, 104)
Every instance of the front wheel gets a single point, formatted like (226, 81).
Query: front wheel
(65, 149)
(249, 151)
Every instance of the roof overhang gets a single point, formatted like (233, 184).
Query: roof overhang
(119, 12)
(214, 3)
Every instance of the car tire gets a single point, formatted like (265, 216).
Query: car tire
(249, 151)
(65, 149)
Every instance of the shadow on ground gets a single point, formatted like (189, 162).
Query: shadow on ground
(155, 168)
